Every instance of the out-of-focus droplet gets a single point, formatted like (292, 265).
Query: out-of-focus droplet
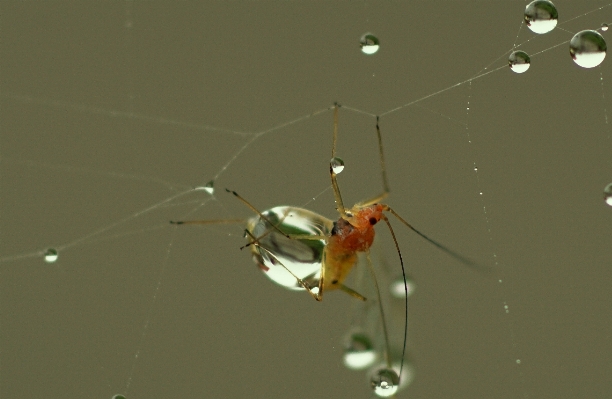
(519, 61)
(359, 351)
(398, 290)
(608, 194)
(541, 16)
(588, 48)
(369, 44)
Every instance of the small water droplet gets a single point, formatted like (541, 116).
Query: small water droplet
(518, 361)
(118, 396)
(398, 290)
(475, 168)
(369, 44)
(209, 187)
(604, 27)
(541, 16)
(337, 165)
(51, 255)
(588, 48)
(384, 382)
(359, 351)
(608, 194)
(519, 61)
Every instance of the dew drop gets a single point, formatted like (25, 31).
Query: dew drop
(518, 361)
(588, 48)
(384, 382)
(397, 287)
(608, 194)
(210, 187)
(519, 61)
(359, 351)
(369, 44)
(51, 255)
(337, 165)
(475, 168)
(604, 27)
(541, 16)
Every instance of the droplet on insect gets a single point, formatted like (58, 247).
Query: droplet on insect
(608, 194)
(118, 396)
(519, 61)
(398, 290)
(51, 255)
(588, 48)
(369, 44)
(337, 165)
(604, 27)
(359, 351)
(384, 382)
(541, 16)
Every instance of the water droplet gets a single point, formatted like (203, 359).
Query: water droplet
(397, 287)
(608, 194)
(359, 351)
(337, 165)
(518, 361)
(369, 44)
(210, 187)
(588, 48)
(51, 255)
(118, 396)
(519, 61)
(541, 16)
(604, 27)
(384, 382)
(475, 168)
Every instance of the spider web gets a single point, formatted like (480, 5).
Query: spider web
(112, 113)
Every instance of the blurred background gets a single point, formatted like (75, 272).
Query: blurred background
(110, 113)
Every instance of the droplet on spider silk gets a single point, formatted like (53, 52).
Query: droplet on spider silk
(337, 165)
(51, 255)
(384, 382)
(398, 290)
(359, 351)
(608, 194)
(519, 61)
(369, 44)
(208, 187)
(541, 16)
(604, 27)
(588, 48)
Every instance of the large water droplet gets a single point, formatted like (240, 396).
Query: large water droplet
(588, 48)
(51, 255)
(359, 351)
(541, 16)
(384, 382)
(337, 165)
(519, 61)
(398, 290)
(608, 194)
(369, 44)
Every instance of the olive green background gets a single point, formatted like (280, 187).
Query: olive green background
(109, 109)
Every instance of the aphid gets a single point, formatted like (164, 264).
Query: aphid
(302, 250)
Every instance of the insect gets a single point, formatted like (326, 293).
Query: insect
(302, 250)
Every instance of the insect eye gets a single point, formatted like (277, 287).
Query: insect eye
(373, 221)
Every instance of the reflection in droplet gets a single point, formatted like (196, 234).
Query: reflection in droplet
(588, 48)
(337, 165)
(359, 351)
(519, 61)
(398, 290)
(604, 27)
(541, 16)
(384, 382)
(608, 194)
(50, 255)
(369, 44)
